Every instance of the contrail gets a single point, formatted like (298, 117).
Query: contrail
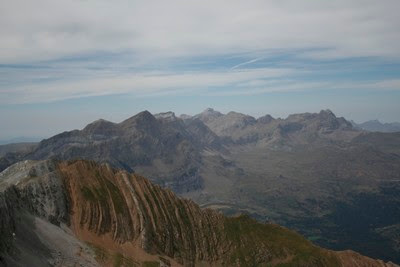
(247, 62)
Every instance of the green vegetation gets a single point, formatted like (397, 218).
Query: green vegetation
(118, 260)
(151, 264)
(88, 194)
(101, 255)
(314, 238)
(250, 238)
(101, 194)
(117, 198)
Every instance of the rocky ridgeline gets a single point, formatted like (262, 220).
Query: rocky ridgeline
(304, 128)
(125, 215)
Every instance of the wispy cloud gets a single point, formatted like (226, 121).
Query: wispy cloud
(268, 86)
(235, 82)
(140, 84)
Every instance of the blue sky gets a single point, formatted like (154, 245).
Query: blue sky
(83, 60)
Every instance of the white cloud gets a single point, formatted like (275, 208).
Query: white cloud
(48, 29)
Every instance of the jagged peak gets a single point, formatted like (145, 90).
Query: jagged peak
(265, 119)
(144, 116)
(325, 120)
(236, 117)
(100, 123)
(238, 114)
(327, 112)
(208, 115)
(211, 111)
(169, 115)
(185, 116)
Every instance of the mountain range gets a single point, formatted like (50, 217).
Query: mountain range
(377, 126)
(312, 172)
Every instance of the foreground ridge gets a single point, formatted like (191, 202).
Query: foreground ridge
(112, 217)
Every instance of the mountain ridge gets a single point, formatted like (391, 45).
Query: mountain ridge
(123, 216)
(377, 126)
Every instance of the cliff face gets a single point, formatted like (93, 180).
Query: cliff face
(129, 221)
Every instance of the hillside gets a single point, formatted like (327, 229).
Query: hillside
(79, 212)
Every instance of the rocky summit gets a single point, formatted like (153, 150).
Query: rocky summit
(81, 213)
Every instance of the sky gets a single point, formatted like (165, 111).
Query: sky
(64, 63)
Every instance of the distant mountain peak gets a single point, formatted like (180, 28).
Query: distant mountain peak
(327, 112)
(185, 116)
(166, 115)
(377, 126)
(236, 114)
(99, 126)
(142, 120)
(100, 121)
(240, 117)
(265, 119)
(211, 112)
(208, 115)
(144, 115)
